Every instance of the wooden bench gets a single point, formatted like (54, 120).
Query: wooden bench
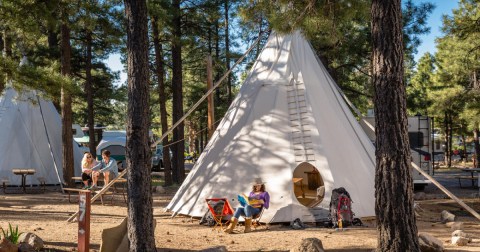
(112, 191)
(79, 179)
(469, 178)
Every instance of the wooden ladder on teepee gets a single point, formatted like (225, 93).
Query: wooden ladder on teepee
(300, 116)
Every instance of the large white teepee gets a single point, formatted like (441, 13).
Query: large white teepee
(288, 121)
(31, 137)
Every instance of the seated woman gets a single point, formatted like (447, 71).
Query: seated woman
(88, 162)
(262, 200)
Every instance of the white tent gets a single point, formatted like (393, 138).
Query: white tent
(288, 123)
(115, 144)
(31, 137)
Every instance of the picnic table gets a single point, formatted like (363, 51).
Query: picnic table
(24, 173)
(473, 176)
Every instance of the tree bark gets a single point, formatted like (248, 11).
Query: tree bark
(178, 171)
(476, 134)
(447, 142)
(227, 53)
(89, 92)
(66, 105)
(140, 211)
(218, 96)
(2, 76)
(162, 100)
(7, 53)
(53, 50)
(393, 179)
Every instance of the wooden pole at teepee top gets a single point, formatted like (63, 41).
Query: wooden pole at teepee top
(211, 108)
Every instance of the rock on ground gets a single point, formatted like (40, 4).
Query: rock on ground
(428, 243)
(459, 241)
(446, 216)
(32, 239)
(457, 226)
(309, 245)
(25, 247)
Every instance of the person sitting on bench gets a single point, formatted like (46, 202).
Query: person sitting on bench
(88, 162)
(108, 166)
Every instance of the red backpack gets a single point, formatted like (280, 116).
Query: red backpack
(341, 208)
(344, 210)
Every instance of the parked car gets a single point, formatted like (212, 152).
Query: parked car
(157, 159)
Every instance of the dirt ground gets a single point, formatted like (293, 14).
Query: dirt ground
(46, 215)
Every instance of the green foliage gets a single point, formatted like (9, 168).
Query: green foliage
(458, 64)
(11, 234)
(421, 83)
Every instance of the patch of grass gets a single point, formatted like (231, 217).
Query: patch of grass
(11, 234)
(158, 180)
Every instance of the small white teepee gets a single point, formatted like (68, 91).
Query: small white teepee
(31, 137)
(288, 122)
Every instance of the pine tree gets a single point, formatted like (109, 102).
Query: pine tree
(394, 209)
(140, 211)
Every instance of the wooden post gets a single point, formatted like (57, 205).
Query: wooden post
(211, 110)
(84, 221)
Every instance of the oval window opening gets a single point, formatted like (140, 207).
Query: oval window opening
(308, 185)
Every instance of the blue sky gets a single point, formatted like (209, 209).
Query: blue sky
(443, 7)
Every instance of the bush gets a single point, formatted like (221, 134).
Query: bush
(11, 234)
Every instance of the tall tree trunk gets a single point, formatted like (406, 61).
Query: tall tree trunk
(66, 105)
(217, 61)
(167, 164)
(54, 53)
(140, 211)
(192, 136)
(476, 134)
(227, 53)
(2, 76)
(1, 42)
(450, 138)
(7, 53)
(463, 154)
(89, 92)
(177, 88)
(393, 178)
(447, 132)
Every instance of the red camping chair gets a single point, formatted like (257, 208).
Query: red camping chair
(219, 208)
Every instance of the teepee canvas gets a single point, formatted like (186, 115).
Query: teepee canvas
(289, 126)
(31, 137)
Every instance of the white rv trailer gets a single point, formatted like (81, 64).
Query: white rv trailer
(419, 135)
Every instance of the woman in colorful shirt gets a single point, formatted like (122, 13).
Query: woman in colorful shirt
(261, 200)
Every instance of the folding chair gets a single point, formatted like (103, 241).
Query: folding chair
(256, 220)
(219, 208)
